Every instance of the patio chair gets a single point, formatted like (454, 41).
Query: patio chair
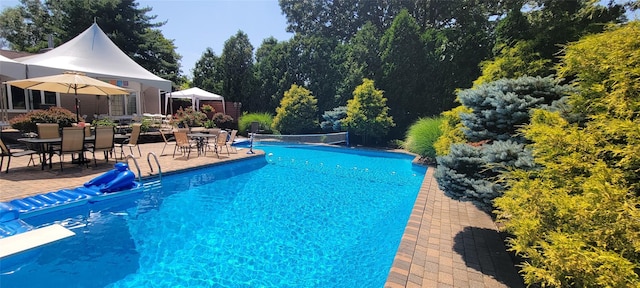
(182, 142)
(221, 141)
(48, 131)
(6, 151)
(104, 142)
(167, 140)
(72, 143)
(132, 141)
(231, 139)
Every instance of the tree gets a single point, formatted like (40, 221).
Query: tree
(367, 112)
(528, 43)
(362, 60)
(297, 112)
(207, 73)
(26, 27)
(403, 65)
(236, 65)
(274, 73)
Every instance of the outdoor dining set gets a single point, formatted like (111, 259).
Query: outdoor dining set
(201, 140)
(51, 140)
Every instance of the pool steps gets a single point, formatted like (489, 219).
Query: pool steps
(115, 183)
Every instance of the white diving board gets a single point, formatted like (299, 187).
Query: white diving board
(32, 239)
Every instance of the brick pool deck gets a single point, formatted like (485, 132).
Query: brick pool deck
(446, 243)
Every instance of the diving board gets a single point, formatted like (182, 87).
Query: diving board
(32, 239)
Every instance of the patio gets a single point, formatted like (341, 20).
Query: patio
(446, 243)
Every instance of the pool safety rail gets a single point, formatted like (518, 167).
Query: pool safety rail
(117, 182)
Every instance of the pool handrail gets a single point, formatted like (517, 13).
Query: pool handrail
(155, 157)
(130, 156)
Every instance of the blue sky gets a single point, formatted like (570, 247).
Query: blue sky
(195, 25)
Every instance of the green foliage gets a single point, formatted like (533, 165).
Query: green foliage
(222, 120)
(452, 130)
(206, 108)
(490, 120)
(575, 219)
(104, 122)
(513, 62)
(264, 119)
(27, 122)
(297, 112)
(473, 172)
(333, 119)
(367, 112)
(499, 108)
(189, 118)
(207, 72)
(400, 42)
(421, 137)
(236, 66)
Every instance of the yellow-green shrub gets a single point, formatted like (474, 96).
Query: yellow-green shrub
(576, 219)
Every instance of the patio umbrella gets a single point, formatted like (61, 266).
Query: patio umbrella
(69, 82)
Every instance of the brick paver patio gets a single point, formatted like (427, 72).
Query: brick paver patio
(446, 243)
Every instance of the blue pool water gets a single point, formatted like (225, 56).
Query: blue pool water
(299, 217)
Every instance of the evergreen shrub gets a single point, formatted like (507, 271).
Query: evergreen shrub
(333, 119)
(490, 121)
(297, 112)
(574, 220)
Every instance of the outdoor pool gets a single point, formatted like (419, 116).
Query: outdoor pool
(297, 217)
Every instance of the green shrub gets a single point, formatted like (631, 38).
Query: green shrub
(104, 122)
(189, 118)
(297, 112)
(495, 112)
(367, 113)
(265, 120)
(452, 130)
(333, 119)
(422, 135)
(575, 220)
(27, 122)
(222, 120)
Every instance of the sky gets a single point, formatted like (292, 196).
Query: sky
(195, 25)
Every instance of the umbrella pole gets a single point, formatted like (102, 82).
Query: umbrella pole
(77, 109)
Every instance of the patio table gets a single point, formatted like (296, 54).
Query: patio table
(201, 140)
(41, 143)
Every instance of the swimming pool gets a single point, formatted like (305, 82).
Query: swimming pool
(299, 217)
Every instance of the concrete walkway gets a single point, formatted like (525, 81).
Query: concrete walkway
(446, 243)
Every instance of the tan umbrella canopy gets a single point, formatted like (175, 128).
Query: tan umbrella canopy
(69, 82)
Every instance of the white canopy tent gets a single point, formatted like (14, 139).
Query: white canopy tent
(93, 53)
(196, 95)
(11, 69)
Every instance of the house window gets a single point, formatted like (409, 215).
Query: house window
(43, 99)
(117, 105)
(18, 98)
(132, 104)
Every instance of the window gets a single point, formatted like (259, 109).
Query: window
(43, 99)
(132, 102)
(117, 105)
(18, 99)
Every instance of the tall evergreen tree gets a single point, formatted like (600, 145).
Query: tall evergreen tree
(273, 73)
(403, 64)
(207, 73)
(237, 70)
